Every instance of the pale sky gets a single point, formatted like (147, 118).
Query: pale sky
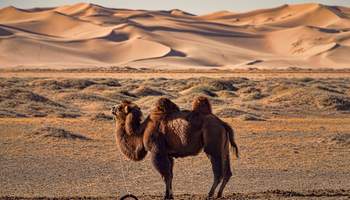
(193, 6)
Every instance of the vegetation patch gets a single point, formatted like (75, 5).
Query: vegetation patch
(101, 117)
(341, 138)
(63, 84)
(143, 91)
(24, 103)
(59, 133)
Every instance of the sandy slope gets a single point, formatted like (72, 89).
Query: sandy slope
(87, 35)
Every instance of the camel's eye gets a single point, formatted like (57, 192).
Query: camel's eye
(113, 110)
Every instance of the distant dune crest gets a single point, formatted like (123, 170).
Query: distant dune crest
(88, 35)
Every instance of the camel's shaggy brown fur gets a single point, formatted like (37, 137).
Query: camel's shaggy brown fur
(166, 106)
(169, 133)
(128, 132)
(162, 108)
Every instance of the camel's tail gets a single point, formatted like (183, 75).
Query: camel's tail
(231, 137)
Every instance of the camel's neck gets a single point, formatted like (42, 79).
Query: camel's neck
(128, 130)
(129, 137)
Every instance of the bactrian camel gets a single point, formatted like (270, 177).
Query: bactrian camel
(169, 133)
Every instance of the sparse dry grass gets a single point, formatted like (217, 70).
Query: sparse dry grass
(264, 98)
(59, 133)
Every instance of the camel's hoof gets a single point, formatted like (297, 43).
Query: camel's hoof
(169, 197)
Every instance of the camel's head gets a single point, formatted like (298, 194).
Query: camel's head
(124, 109)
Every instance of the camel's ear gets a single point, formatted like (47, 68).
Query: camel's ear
(127, 109)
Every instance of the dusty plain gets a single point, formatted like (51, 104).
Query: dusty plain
(56, 135)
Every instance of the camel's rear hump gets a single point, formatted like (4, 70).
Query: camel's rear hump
(201, 105)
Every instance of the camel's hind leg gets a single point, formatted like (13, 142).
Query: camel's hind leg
(216, 164)
(213, 151)
(215, 146)
(227, 175)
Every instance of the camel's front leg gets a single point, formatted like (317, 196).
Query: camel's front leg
(161, 162)
(163, 165)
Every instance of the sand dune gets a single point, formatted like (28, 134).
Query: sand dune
(89, 35)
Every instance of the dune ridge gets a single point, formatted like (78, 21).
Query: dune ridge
(89, 35)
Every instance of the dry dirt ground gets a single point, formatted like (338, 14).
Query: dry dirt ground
(56, 137)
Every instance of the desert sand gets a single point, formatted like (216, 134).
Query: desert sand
(88, 35)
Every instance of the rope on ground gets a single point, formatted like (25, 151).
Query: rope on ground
(124, 180)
